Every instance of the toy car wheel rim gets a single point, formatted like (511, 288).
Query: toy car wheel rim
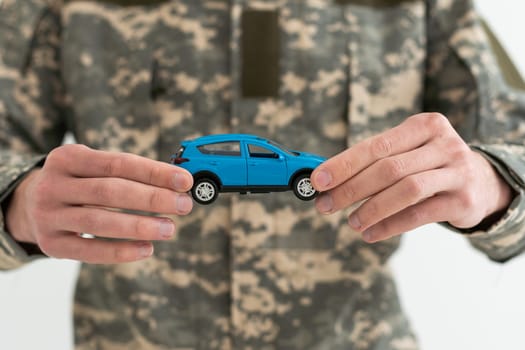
(304, 188)
(205, 191)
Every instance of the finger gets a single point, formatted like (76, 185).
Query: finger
(407, 192)
(95, 251)
(125, 194)
(411, 134)
(434, 209)
(380, 175)
(81, 161)
(111, 224)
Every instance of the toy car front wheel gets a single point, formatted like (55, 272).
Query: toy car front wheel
(303, 189)
(205, 191)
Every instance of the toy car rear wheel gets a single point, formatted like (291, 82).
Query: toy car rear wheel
(303, 189)
(205, 191)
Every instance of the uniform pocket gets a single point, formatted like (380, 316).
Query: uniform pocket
(477, 74)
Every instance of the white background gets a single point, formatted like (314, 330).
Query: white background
(455, 298)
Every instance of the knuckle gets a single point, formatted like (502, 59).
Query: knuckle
(458, 149)
(62, 155)
(457, 144)
(155, 199)
(393, 168)
(381, 147)
(154, 175)
(54, 158)
(415, 215)
(415, 187)
(120, 253)
(57, 156)
(348, 191)
(467, 200)
(74, 148)
(142, 228)
(113, 167)
(436, 121)
(347, 167)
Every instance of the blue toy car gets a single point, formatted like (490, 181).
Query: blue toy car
(245, 163)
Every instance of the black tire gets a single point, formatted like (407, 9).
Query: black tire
(302, 188)
(205, 191)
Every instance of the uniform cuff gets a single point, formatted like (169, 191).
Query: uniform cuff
(504, 238)
(13, 169)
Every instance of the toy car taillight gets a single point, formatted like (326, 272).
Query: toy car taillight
(179, 160)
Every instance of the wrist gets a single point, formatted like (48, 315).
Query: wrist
(500, 195)
(16, 220)
(504, 194)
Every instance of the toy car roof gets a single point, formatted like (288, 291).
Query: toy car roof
(224, 138)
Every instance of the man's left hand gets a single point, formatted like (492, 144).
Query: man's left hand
(414, 174)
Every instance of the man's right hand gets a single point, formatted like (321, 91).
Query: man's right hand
(77, 191)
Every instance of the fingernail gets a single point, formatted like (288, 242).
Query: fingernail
(145, 249)
(325, 203)
(353, 220)
(166, 228)
(323, 178)
(180, 181)
(184, 204)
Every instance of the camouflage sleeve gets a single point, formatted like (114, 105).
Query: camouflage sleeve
(31, 116)
(465, 82)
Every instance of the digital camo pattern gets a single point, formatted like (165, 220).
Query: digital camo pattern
(257, 271)
(484, 110)
(29, 86)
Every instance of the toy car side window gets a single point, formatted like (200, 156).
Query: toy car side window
(231, 148)
(261, 152)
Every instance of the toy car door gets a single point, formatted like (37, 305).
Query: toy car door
(266, 166)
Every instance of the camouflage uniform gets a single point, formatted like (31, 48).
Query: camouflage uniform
(257, 271)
